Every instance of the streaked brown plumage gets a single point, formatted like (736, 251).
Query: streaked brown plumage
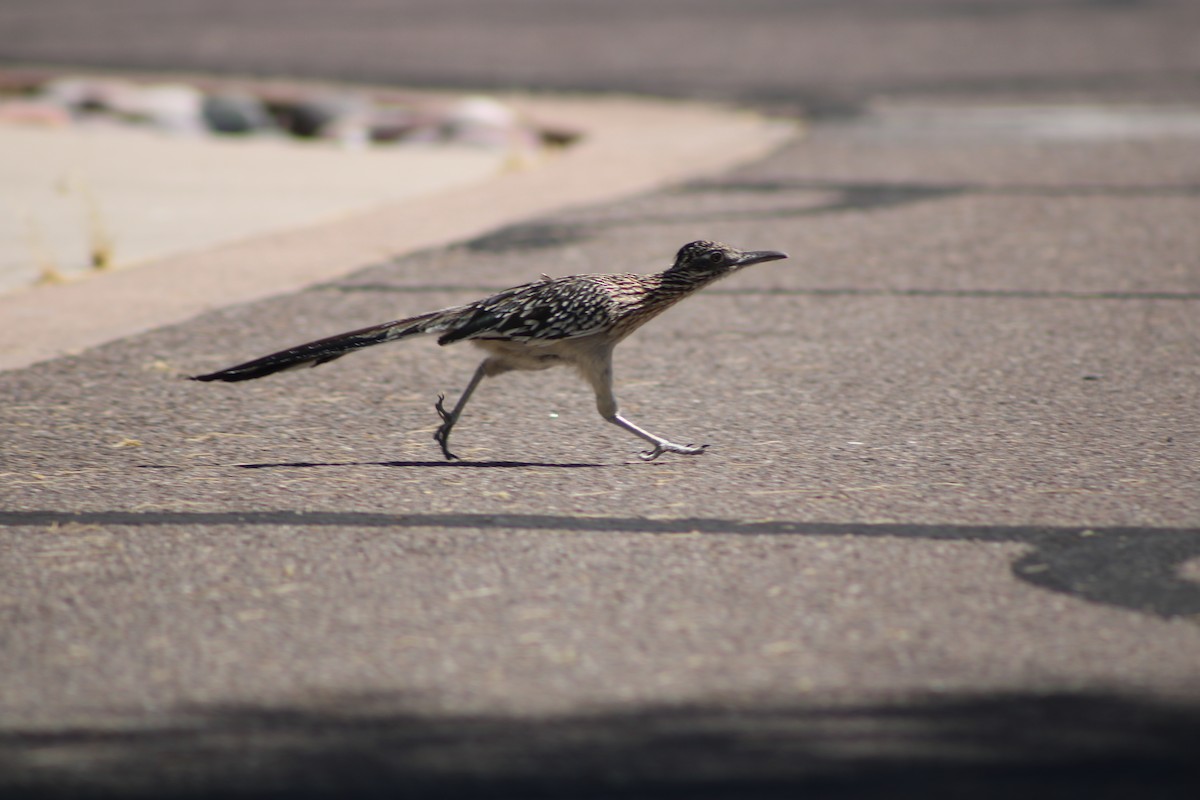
(576, 320)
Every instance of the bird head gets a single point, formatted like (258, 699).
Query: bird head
(715, 258)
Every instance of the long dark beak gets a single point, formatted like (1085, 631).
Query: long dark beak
(757, 256)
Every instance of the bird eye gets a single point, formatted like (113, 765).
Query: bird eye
(716, 257)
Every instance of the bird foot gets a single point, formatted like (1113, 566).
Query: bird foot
(671, 447)
(442, 434)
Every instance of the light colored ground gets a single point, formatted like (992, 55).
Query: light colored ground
(126, 196)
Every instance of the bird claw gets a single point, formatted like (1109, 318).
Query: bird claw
(441, 408)
(671, 447)
(440, 438)
(442, 434)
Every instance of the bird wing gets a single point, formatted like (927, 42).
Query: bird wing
(556, 309)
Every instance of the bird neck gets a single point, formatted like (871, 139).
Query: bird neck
(676, 284)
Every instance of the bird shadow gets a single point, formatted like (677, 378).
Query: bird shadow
(457, 464)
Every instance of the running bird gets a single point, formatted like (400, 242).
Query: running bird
(574, 321)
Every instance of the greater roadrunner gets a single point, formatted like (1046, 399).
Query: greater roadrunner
(576, 320)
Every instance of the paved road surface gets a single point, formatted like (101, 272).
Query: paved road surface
(946, 539)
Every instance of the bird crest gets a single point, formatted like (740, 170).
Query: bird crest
(704, 255)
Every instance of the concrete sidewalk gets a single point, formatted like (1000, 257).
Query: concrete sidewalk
(130, 196)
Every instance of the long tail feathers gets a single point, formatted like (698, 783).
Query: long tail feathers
(314, 354)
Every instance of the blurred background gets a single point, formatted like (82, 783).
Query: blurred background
(916, 69)
(813, 56)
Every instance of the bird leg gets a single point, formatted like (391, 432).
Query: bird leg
(598, 372)
(442, 434)
(661, 445)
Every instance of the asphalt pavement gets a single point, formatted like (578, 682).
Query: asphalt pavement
(945, 539)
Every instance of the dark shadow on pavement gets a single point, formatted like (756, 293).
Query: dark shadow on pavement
(526, 236)
(1007, 745)
(833, 197)
(865, 196)
(1128, 567)
(826, 291)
